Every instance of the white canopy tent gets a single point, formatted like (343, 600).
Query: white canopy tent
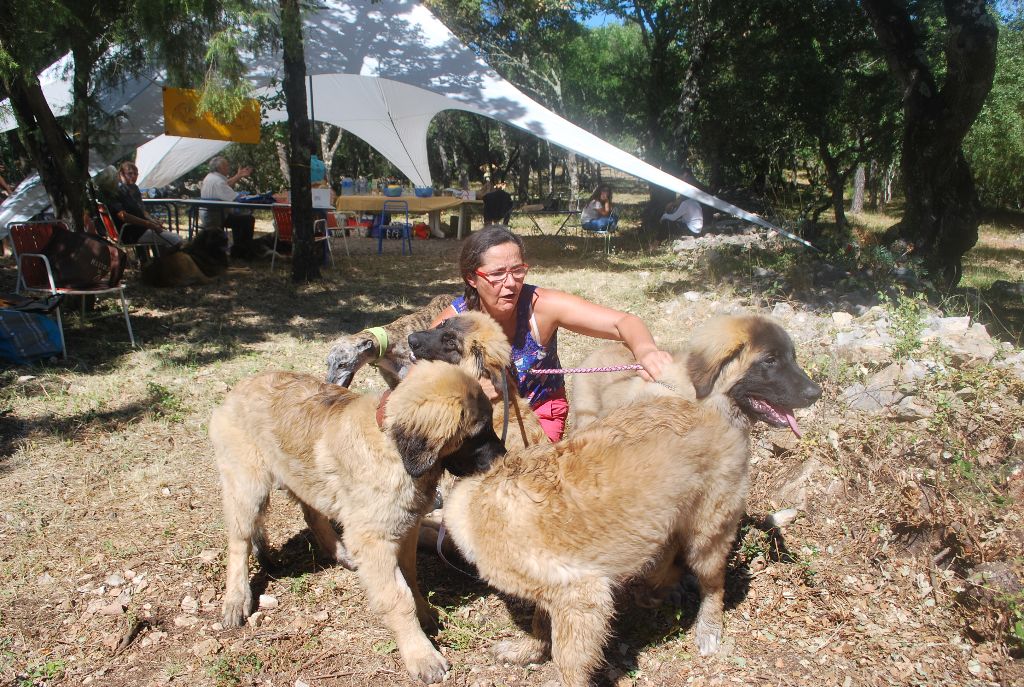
(382, 71)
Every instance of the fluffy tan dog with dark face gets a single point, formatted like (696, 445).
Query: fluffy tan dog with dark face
(371, 463)
(564, 525)
(475, 342)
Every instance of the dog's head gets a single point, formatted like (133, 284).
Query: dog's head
(439, 415)
(348, 354)
(211, 242)
(751, 360)
(472, 340)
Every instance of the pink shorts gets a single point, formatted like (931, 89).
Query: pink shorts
(552, 414)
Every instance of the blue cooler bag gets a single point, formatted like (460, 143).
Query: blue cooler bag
(27, 336)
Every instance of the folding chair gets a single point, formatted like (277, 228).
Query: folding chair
(35, 273)
(606, 230)
(115, 236)
(335, 226)
(406, 230)
(283, 231)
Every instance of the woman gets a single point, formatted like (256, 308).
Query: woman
(493, 268)
(597, 213)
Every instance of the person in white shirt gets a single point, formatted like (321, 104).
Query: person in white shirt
(688, 214)
(219, 186)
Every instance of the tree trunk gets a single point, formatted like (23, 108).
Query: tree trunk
(859, 180)
(52, 152)
(873, 184)
(942, 207)
(282, 158)
(573, 168)
(305, 263)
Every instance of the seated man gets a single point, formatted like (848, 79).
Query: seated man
(217, 185)
(497, 205)
(689, 213)
(134, 225)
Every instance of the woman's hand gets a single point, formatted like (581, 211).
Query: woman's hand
(654, 362)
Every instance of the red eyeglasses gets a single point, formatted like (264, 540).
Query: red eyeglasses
(498, 277)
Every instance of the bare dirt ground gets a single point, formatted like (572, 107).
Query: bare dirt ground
(111, 539)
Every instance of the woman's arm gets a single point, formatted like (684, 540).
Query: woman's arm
(559, 309)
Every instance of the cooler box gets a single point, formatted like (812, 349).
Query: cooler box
(321, 197)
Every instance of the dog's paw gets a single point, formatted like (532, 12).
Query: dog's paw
(521, 651)
(709, 636)
(235, 612)
(429, 667)
(342, 557)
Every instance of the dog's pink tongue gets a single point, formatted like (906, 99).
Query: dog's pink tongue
(792, 423)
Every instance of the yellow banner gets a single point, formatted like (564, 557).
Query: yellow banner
(180, 119)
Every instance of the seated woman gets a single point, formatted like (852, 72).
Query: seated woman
(597, 213)
(134, 224)
(493, 268)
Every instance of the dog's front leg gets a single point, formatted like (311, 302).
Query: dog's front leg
(391, 597)
(238, 593)
(579, 627)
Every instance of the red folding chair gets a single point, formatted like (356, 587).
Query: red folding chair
(35, 273)
(283, 231)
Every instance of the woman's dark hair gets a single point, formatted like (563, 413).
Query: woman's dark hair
(472, 255)
(596, 195)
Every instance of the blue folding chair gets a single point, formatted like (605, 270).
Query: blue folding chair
(391, 206)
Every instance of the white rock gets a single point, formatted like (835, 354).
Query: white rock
(300, 683)
(692, 296)
(781, 518)
(209, 555)
(189, 604)
(268, 602)
(205, 648)
(114, 580)
(256, 619)
(842, 319)
(185, 620)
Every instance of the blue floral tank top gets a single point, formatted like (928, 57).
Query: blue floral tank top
(527, 353)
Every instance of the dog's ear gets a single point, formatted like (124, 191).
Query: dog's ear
(712, 348)
(476, 349)
(425, 412)
(419, 454)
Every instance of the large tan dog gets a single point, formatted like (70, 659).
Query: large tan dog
(371, 463)
(197, 263)
(389, 352)
(474, 341)
(564, 525)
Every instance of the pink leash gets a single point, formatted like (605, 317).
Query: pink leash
(586, 370)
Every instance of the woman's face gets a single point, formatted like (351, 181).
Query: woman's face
(499, 299)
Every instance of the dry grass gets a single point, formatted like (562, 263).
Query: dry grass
(105, 470)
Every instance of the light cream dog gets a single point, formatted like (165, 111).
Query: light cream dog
(370, 463)
(564, 525)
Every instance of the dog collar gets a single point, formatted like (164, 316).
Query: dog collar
(381, 405)
(381, 335)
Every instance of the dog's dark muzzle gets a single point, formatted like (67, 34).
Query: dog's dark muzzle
(476, 454)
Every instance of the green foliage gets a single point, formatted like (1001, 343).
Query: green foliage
(42, 673)
(1016, 633)
(230, 671)
(165, 403)
(906, 322)
(995, 144)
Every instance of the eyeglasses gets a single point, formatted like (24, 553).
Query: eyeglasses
(498, 277)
